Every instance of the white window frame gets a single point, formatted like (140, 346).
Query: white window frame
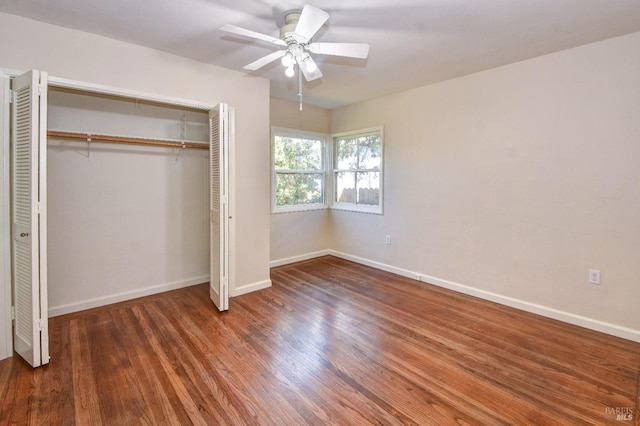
(283, 131)
(362, 208)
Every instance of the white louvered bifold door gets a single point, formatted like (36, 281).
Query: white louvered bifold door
(29, 248)
(219, 205)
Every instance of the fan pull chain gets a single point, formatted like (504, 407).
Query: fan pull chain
(300, 85)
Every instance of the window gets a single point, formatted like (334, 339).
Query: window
(357, 173)
(303, 171)
(298, 170)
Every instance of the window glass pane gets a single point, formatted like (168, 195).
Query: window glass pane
(369, 149)
(298, 188)
(292, 153)
(346, 154)
(368, 185)
(345, 187)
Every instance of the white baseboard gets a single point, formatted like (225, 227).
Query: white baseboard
(377, 265)
(249, 288)
(590, 323)
(54, 311)
(300, 258)
(568, 317)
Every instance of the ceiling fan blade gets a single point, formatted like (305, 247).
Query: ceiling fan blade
(311, 19)
(350, 50)
(315, 72)
(265, 60)
(252, 34)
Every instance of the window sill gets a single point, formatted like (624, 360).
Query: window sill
(356, 208)
(299, 209)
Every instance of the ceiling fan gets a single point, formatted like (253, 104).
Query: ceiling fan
(296, 37)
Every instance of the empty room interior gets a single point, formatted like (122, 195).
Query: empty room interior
(273, 212)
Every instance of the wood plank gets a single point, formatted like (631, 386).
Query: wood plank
(83, 376)
(331, 342)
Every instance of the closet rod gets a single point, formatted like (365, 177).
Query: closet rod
(125, 140)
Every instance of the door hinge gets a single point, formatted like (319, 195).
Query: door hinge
(13, 313)
(39, 208)
(40, 325)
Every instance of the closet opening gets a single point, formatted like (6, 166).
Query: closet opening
(128, 204)
(114, 195)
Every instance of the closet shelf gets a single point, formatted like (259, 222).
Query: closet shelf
(91, 137)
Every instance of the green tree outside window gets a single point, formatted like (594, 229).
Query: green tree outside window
(299, 175)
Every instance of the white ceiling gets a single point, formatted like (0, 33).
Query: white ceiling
(413, 42)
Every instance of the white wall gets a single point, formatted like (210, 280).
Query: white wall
(515, 182)
(80, 56)
(293, 234)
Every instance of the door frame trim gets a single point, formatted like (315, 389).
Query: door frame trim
(6, 331)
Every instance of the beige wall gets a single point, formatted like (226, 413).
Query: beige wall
(65, 53)
(515, 181)
(293, 234)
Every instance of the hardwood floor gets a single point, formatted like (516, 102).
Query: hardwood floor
(332, 342)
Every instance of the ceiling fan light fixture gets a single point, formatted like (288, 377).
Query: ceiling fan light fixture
(290, 72)
(309, 64)
(287, 60)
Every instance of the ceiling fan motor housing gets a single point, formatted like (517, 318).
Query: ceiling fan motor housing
(287, 31)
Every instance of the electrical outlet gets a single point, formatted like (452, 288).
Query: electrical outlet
(594, 276)
(387, 240)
